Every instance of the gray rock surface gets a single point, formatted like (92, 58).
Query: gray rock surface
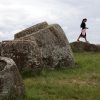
(26, 54)
(84, 47)
(39, 46)
(11, 85)
(31, 29)
(53, 43)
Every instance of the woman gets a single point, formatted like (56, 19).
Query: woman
(83, 31)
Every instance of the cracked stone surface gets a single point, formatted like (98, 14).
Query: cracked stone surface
(39, 46)
(54, 45)
(26, 54)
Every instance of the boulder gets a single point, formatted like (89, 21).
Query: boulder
(11, 85)
(26, 54)
(54, 45)
(31, 29)
(39, 46)
(83, 47)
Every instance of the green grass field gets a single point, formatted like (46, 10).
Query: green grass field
(79, 83)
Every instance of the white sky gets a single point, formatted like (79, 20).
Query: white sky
(16, 15)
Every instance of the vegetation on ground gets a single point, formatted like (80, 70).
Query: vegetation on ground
(81, 82)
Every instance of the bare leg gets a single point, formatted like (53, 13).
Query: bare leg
(78, 38)
(86, 39)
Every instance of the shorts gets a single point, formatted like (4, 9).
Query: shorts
(83, 33)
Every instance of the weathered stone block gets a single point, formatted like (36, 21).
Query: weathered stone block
(11, 85)
(30, 30)
(26, 54)
(39, 46)
(56, 51)
(84, 47)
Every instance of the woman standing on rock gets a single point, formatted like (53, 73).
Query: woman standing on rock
(83, 31)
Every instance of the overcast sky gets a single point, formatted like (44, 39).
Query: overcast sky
(16, 15)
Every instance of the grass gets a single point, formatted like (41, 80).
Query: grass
(79, 83)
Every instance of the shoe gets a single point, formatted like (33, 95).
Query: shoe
(78, 40)
(87, 41)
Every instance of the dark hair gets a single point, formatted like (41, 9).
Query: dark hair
(84, 19)
(82, 22)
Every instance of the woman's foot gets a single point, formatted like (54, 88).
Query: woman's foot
(78, 40)
(87, 41)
